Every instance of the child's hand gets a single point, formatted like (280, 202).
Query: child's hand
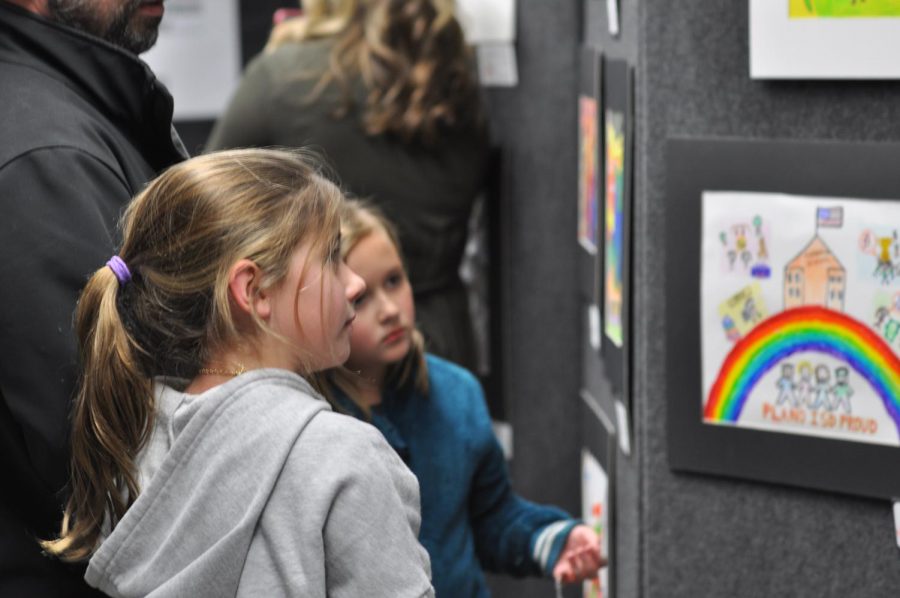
(580, 558)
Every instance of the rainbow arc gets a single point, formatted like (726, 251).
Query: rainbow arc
(807, 328)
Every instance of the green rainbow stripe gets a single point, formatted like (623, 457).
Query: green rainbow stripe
(808, 328)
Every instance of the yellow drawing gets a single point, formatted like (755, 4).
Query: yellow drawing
(841, 9)
(742, 311)
(885, 267)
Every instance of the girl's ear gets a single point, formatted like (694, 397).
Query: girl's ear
(243, 285)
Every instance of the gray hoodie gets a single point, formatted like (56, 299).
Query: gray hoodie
(255, 488)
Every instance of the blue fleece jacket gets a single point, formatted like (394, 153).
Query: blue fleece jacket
(471, 518)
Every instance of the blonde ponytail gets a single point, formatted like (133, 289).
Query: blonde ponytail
(180, 237)
(107, 431)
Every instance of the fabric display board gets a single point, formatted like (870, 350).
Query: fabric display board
(783, 312)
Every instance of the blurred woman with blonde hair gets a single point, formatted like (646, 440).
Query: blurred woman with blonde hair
(385, 89)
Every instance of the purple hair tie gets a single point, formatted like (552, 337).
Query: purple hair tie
(117, 265)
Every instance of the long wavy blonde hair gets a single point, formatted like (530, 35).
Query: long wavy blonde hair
(181, 235)
(410, 54)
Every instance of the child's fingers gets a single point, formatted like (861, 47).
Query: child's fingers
(571, 569)
(593, 557)
(586, 564)
(580, 563)
(594, 560)
(564, 570)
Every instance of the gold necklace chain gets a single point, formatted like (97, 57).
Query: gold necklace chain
(219, 372)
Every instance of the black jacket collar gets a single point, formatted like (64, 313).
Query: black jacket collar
(114, 80)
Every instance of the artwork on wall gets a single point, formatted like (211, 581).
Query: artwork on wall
(595, 513)
(590, 187)
(598, 490)
(842, 9)
(783, 312)
(616, 222)
(588, 151)
(796, 315)
(824, 39)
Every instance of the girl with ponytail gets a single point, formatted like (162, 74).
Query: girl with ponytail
(204, 463)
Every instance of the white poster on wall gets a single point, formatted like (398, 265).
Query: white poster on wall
(487, 21)
(198, 55)
(824, 39)
(490, 26)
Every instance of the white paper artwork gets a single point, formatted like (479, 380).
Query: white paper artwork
(487, 21)
(861, 41)
(497, 65)
(800, 314)
(595, 513)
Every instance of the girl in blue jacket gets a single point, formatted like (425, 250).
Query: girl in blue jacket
(433, 413)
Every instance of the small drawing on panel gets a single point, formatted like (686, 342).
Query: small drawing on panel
(745, 249)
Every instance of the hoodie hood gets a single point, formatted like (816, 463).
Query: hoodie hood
(210, 466)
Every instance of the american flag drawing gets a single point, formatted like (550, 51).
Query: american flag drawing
(829, 217)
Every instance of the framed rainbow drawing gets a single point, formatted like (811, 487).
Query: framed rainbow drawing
(783, 313)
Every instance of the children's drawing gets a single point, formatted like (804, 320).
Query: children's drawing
(742, 311)
(828, 363)
(744, 248)
(882, 248)
(822, 388)
(841, 391)
(817, 330)
(815, 276)
(595, 513)
(588, 149)
(818, 395)
(886, 315)
(804, 387)
(843, 9)
(614, 225)
(787, 388)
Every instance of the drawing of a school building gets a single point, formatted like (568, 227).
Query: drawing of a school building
(815, 277)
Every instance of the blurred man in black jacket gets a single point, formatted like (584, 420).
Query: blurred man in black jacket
(84, 125)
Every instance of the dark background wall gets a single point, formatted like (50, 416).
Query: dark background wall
(627, 562)
(676, 534)
(705, 536)
(534, 125)
(544, 364)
